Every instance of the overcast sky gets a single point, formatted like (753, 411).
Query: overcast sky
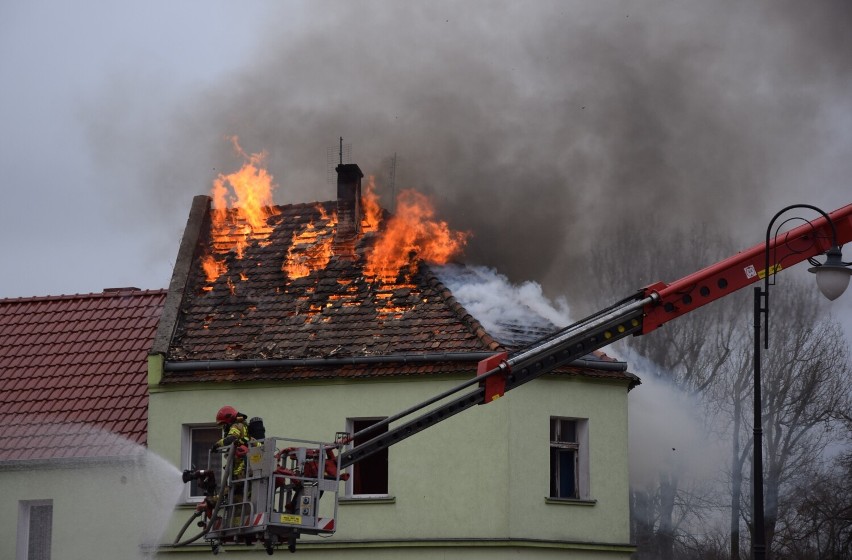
(68, 226)
(535, 127)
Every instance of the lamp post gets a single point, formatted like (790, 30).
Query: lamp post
(832, 280)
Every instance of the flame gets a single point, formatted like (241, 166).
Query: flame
(310, 250)
(250, 197)
(212, 268)
(387, 308)
(330, 218)
(372, 210)
(413, 235)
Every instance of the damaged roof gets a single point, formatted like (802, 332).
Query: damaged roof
(73, 374)
(295, 298)
(255, 310)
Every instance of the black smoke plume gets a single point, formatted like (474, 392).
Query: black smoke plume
(537, 127)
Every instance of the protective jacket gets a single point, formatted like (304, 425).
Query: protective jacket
(236, 433)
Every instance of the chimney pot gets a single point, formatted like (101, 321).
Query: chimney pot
(349, 199)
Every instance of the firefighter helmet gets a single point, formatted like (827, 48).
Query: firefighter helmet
(226, 415)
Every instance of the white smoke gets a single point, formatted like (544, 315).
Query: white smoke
(514, 314)
(669, 431)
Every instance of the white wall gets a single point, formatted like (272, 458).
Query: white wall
(99, 511)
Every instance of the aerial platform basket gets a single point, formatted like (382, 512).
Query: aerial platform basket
(287, 488)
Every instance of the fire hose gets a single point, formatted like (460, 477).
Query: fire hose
(207, 481)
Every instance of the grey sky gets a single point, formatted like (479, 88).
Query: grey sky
(536, 126)
(68, 226)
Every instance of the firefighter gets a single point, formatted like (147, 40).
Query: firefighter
(234, 431)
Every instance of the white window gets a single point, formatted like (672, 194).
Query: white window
(35, 525)
(196, 443)
(369, 476)
(569, 458)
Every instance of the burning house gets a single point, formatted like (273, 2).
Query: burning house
(331, 316)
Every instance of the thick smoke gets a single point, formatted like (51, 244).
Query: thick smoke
(535, 126)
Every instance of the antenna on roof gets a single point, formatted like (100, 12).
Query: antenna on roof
(337, 155)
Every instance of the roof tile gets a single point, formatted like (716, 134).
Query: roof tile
(62, 370)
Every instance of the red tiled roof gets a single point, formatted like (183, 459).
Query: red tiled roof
(73, 373)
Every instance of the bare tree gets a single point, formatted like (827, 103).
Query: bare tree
(806, 382)
(732, 397)
(692, 354)
(709, 354)
(819, 520)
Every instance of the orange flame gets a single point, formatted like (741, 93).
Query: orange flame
(310, 250)
(411, 236)
(252, 189)
(213, 268)
(372, 210)
(250, 196)
(387, 307)
(331, 218)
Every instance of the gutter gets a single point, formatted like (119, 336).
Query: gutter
(218, 365)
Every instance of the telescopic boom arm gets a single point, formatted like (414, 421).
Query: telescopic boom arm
(738, 271)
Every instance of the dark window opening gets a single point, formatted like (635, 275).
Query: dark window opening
(369, 475)
(201, 439)
(35, 528)
(564, 459)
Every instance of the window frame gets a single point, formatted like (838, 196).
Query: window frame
(580, 447)
(25, 507)
(187, 431)
(349, 489)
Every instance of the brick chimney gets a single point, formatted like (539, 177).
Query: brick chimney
(349, 211)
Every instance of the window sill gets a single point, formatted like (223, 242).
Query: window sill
(569, 502)
(189, 504)
(347, 500)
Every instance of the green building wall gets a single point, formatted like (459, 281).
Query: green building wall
(472, 486)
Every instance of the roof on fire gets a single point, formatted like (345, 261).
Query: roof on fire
(296, 301)
(255, 310)
(73, 373)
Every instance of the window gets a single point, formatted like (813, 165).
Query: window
(35, 525)
(569, 470)
(369, 475)
(197, 441)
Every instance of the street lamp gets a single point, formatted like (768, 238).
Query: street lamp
(833, 275)
(832, 280)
